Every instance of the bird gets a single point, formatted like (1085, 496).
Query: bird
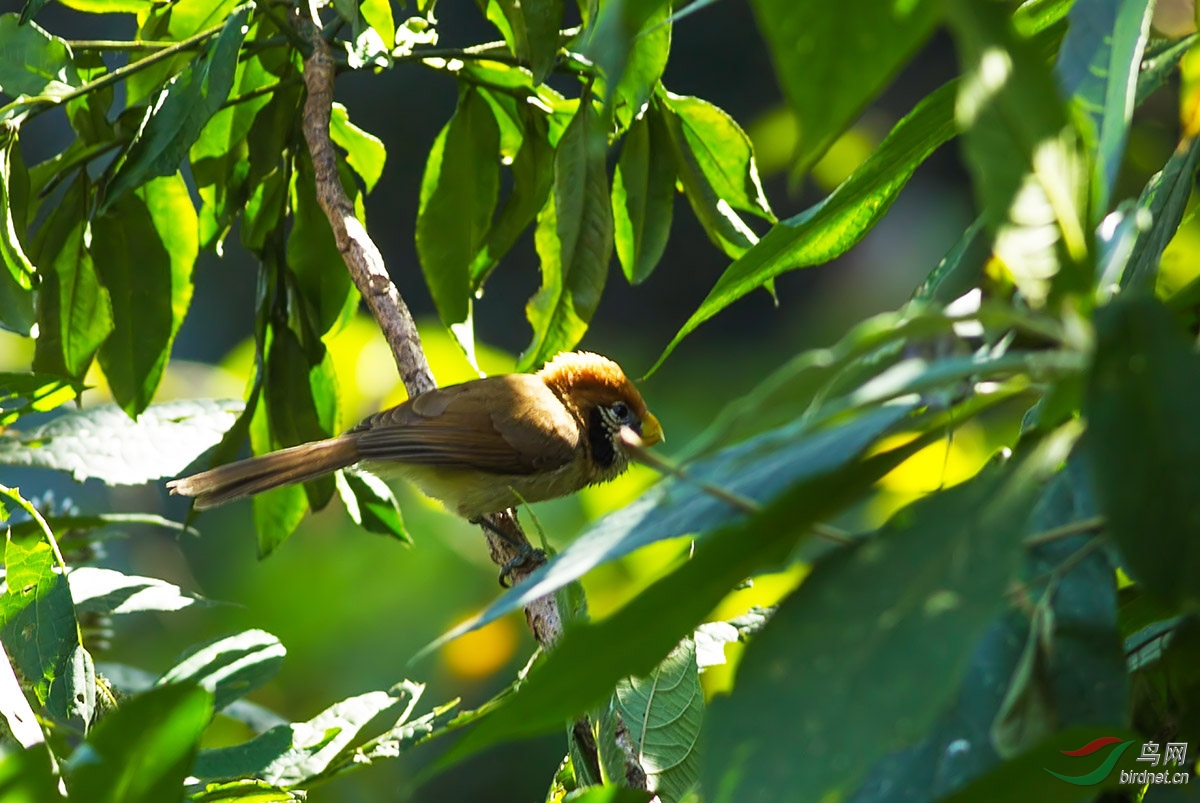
(480, 447)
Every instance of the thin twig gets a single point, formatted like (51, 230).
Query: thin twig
(1081, 527)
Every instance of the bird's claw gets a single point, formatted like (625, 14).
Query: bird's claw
(526, 558)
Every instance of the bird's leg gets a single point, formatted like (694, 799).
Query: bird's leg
(525, 557)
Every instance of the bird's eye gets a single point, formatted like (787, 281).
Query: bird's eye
(621, 411)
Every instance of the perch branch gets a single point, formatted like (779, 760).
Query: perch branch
(506, 540)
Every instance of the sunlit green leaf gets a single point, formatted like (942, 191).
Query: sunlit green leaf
(176, 118)
(364, 151)
(371, 504)
(107, 591)
(145, 248)
(170, 23)
(646, 61)
(229, 667)
(533, 27)
(247, 791)
(574, 240)
(103, 442)
(32, 62)
(27, 776)
(833, 226)
(458, 194)
(41, 392)
(859, 46)
(13, 215)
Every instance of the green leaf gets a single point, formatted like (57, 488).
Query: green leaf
(140, 753)
(365, 152)
(41, 392)
(301, 405)
(583, 669)
(229, 667)
(290, 755)
(171, 23)
(32, 62)
(663, 712)
(278, 512)
(643, 196)
(378, 14)
(74, 309)
(574, 240)
(104, 443)
(1143, 451)
(107, 592)
(39, 628)
(1029, 165)
(830, 228)
(17, 312)
(99, 521)
(27, 776)
(88, 113)
(246, 790)
(715, 163)
(1165, 196)
(1098, 66)
(533, 29)
(371, 504)
(613, 33)
(13, 213)
(533, 177)
(758, 470)
(610, 794)
(458, 196)
(145, 248)
(177, 116)
(913, 600)
(857, 46)
(644, 68)
(313, 256)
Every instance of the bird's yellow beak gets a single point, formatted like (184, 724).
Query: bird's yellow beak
(652, 430)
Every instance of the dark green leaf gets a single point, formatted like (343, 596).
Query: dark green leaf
(289, 755)
(643, 196)
(176, 118)
(171, 23)
(229, 667)
(1029, 164)
(574, 240)
(364, 151)
(278, 512)
(17, 312)
(458, 195)
(663, 712)
(313, 256)
(583, 669)
(27, 776)
(32, 7)
(1143, 448)
(533, 177)
(107, 591)
(140, 753)
(758, 470)
(833, 226)
(301, 406)
(103, 442)
(533, 26)
(1165, 196)
(613, 33)
(13, 214)
(41, 392)
(372, 505)
(858, 45)
(74, 309)
(264, 212)
(1098, 66)
(912, 600)
(715, 163)
(32, 62)
(89, 113)
(99, 521)
(145, 248)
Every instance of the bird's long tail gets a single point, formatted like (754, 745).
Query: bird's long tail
(257, 474)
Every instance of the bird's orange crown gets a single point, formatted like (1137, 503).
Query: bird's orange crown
(573, 374)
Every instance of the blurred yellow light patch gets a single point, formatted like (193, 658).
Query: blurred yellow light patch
(482, 652)
(845, 156)
(16, 352)
(610, 586)
(597, 500)
(1180, 264)
(951, 460)
(775, 136)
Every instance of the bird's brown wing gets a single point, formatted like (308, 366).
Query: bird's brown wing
(503, 425)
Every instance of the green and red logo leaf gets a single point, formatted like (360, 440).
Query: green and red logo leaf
(1101, 772)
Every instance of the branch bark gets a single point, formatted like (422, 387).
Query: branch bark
(370, 275)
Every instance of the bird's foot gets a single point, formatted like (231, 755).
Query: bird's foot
(526, 557)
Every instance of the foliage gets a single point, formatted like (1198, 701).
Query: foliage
(949, 652)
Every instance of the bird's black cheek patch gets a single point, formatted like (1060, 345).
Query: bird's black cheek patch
(604, 454)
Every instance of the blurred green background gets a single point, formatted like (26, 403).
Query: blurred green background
(353, 608)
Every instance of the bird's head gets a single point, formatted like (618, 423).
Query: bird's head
(602, 396)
